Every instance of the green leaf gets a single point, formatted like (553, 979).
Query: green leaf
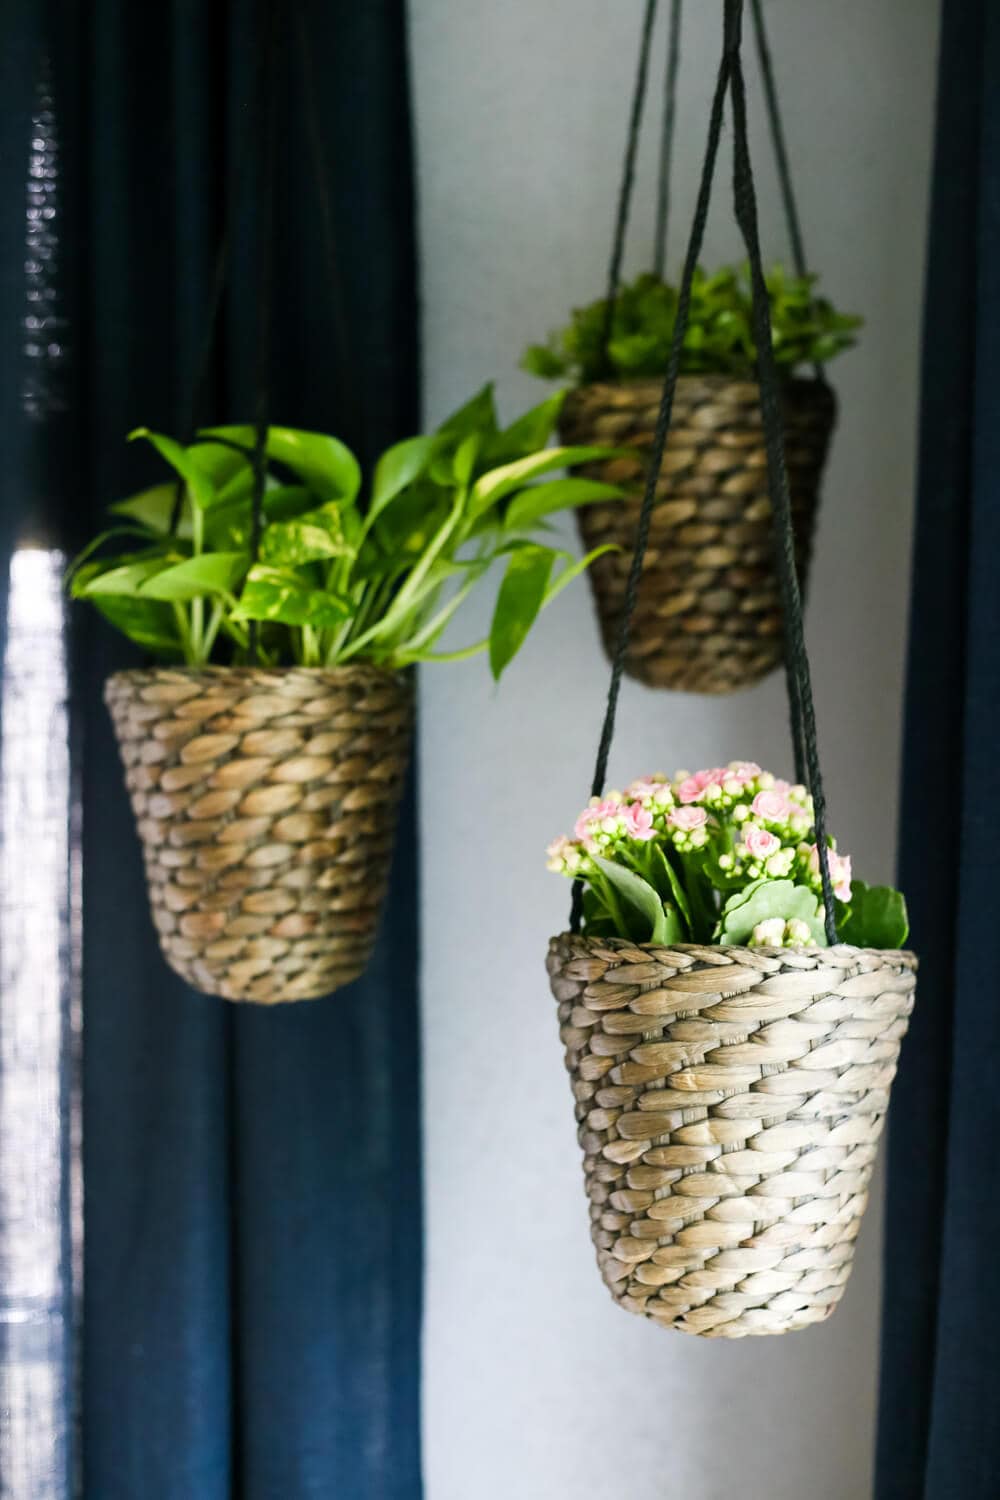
(127, 578)
(676, 888)
(464, 462)
(75, 569)
(229, 521)
(763, 899)
(575, 568)
(597, 920)
(316, 535)
(281, 595)
(398, 467)
(478, 415)
(288, 502)
(154, 508)
(662, 924)
(521, 596)
(529, 433)
(222, 465)
(150, 624)
(190, 467)
(492, 486)
(210, 573)
(877, 919)
(328, 467)
(543, 361)
(406, 527)
(528, 508)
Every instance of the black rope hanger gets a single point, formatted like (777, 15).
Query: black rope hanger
(627, 186)
(260, 142)
(801, 710)
(667, 141)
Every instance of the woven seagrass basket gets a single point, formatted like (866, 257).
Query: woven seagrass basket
(708, 617)
(266, 805)
(730, 1102)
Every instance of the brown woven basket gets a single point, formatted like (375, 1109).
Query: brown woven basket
(730, 1102)
(708, 616)
(266, 805)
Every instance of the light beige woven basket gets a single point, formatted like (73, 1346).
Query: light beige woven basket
(708, 616)
(266, 804)
(730, 1102)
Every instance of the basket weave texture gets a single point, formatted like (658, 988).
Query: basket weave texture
(729, 1102)
(266, 804)
(708, 616)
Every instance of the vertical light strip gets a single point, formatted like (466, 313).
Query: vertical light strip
(39, 1009)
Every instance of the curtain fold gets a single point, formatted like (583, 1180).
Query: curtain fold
(252, 1200)
(939, 1419)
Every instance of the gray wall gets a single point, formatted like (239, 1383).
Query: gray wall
(536, 1386)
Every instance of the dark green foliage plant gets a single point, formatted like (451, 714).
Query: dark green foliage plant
(806, 329)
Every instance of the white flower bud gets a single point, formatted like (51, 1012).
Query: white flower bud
(768, 934)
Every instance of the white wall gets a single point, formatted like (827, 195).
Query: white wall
(536, 1387)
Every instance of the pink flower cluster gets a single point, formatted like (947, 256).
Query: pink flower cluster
(743, 823)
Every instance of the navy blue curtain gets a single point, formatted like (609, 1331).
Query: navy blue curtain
(939, 1420)
(252, 1199)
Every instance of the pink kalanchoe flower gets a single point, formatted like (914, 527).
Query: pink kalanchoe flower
(744, 770)
(559, 854)
(581, 827)
(645, 786)
(596, 810)
(639, 822)
(782, 787)
(687, 819)
(840, 871)
(760, 844)
(714, 776)
(690, 790)
(772, 806)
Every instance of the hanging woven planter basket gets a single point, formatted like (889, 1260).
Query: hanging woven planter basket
(266, 804)
(708, 614)
(730, 1102)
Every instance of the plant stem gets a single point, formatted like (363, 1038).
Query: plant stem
(212, 629)
(197, 604)
(184, 632)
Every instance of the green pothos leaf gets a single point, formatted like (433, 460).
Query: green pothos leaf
(311, 537)
(520, 597)
(279, 594)
(210, 573)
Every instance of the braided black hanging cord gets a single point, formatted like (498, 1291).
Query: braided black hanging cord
(349, 390)
(219, 276)
(265, 295)
(628, 172)
(220, 271)
(781, 152)
(656, 453)
(667, 141)
(803, 713)
(778, 139)
(801, 709)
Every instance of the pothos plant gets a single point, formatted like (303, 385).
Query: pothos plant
(727, 855)
(341, 571)
(805, 328)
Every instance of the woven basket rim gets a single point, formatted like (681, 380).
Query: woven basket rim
(344, 673)
(718, 378)
(905, 956)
